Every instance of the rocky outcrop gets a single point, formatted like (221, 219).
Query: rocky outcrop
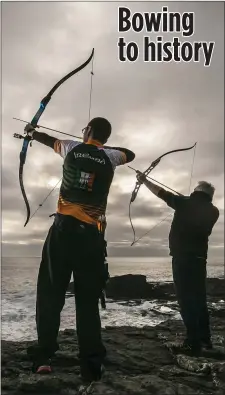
(128, 286)
(216, 287)
(140, 361)
(131, 286)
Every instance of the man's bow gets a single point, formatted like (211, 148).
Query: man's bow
(33, 124)
(146, 173)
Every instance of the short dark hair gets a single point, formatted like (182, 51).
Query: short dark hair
(101, 129)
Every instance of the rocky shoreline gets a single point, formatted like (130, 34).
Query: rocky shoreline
(136, 287)
(140, 361)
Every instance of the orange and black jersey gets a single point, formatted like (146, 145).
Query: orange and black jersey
(88, 172)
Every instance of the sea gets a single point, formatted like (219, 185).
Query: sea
(18, 294)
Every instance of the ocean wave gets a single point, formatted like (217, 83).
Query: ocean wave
(18, 315)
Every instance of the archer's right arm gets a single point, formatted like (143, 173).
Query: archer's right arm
(119, 156)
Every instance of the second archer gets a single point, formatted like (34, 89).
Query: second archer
(194, 219)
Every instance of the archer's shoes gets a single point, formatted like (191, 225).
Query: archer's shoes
(42, 367)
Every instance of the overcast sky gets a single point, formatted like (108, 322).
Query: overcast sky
(153, 108)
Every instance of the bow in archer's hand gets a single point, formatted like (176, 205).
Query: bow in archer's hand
(34, 123)
(141, 177)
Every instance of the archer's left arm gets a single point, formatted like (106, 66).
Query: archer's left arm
(44, 138)
(150, 185)
(61, 147)
(171, 199)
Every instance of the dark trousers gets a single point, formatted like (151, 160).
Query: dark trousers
(71, 247)
(189, 274)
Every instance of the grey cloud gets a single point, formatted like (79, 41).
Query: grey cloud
(153, 108)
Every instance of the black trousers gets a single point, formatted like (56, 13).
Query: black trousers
(71, 247)
(189, 274)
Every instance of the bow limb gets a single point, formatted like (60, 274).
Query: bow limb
(146, 173)
(23, 154)
(34, 122)
(47, 98)
(152, 166)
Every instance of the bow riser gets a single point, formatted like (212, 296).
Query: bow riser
(138, 184)
(40, 111)
(23, 152)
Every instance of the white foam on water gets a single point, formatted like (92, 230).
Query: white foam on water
(19, 276)
(18, 315)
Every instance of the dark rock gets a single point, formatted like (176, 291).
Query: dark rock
(131, 286)
(136, 287)
(216, 287)
(140, 361)
(127, 286)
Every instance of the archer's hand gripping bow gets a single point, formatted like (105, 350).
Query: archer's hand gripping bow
(146, 173)
(27, 139)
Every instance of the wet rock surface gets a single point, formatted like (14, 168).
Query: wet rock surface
(140, 361)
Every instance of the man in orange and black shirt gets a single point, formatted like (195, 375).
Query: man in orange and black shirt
(75, 245)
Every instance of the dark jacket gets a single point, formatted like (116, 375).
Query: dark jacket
(193, 221)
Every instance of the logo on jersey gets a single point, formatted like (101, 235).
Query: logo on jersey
(88, 156)
(85, 181)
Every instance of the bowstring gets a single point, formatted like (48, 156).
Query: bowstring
(154, 226)
(41, 204)
(91, 89)
(89, 115)
(192, 170)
